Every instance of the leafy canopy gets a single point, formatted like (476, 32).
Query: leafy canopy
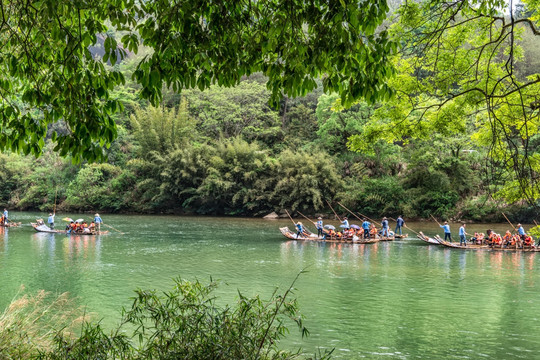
(48, 73)
(457, 73)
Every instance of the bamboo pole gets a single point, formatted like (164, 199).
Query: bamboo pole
(438, 223)
(512, 225)
(359, 213)
(114, 228)
(333, 210)
(308, 219)
(370, 219)
(343, 206)
(290, 217)
(54, 207)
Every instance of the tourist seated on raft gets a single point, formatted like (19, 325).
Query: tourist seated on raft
(519, 241)
(507, 236)
(488, 236)
(491, 237)
(373, 231)
(512, 242)
(495, 239)
(478, 238)
(528, 242)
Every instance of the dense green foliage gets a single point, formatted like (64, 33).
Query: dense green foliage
(185, 159)
(184, 323)
(51, 66)
(459, 138)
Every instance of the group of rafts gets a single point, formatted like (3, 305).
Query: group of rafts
(348, 234)
(490, 241)
(354, 234)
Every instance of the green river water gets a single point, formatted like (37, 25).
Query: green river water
(402, 299)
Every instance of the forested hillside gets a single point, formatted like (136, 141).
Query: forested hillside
(428, 149)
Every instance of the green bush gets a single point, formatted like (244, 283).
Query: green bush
(375, 196)
(187, 323)
(303, 180)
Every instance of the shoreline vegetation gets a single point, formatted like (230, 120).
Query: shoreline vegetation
(226, 152)
(185, 322)
(247, 148)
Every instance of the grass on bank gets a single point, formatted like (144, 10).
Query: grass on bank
(184, 323)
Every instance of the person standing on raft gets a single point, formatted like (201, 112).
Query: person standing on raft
(384, 224)
(365, 225)
(446, 229)
(462, 237)
(521, 231)
(98, 221)
(399, 224)
(50, 220)
(300, 230)
(319, 225)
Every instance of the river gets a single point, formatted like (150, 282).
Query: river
(402, 299)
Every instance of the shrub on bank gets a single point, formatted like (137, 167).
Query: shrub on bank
(184, 323)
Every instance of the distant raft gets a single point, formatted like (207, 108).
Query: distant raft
(45, 229)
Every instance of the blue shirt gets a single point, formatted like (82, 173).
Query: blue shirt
(400, 222)
(446, 228)
(51, 219)
(319, 224)
(521, 231)
(365, 225)
(6, 214)
(97, 219)
(345, 223)
(384, 224)
(462, 231)
(299, 227)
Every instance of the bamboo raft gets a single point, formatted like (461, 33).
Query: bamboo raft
(11, 224)
(45, 229)
(458, 246)
(292, 235)
(427, 239)
(403, 236)
(515, 248)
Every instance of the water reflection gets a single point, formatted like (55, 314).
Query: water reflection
(87, 247)
(4, 239)
(73, 248)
